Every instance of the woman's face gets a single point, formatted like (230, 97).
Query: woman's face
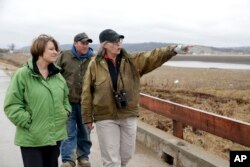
(50, 53)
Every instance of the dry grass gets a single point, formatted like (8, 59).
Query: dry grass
(225, 92)
(16, 59)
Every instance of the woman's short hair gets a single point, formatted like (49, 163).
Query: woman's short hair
(38, 46)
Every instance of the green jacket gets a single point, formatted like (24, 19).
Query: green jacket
(38, 108)
(73, 71)
(98, 101)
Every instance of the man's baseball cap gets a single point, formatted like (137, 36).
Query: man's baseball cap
(110, 36)
(83, 37)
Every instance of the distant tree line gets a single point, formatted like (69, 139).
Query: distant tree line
(10, 49)
(4, 50)
(137, 47)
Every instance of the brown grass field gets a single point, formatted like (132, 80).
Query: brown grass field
(225, 92)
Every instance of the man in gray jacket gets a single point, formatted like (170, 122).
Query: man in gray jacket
(74, 63)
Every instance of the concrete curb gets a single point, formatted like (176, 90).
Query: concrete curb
(175, 151)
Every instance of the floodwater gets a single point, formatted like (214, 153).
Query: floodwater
(200, 64)
(214, 61)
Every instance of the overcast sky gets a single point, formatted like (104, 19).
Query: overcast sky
(219, 23)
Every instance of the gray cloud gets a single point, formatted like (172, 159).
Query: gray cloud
(213, 23)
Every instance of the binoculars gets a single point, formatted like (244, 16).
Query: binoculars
(121, 99)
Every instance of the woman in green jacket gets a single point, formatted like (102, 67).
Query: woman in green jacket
(37, 103)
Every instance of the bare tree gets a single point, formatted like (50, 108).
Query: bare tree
(11, 47)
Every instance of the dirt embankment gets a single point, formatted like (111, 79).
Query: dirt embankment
(16, 59)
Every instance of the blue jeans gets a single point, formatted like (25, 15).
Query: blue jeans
(78, 143)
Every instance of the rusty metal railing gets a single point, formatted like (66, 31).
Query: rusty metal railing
(231, 129)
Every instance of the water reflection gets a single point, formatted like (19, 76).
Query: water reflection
(200, 64)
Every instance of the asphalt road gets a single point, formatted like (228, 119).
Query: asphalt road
(10, 155)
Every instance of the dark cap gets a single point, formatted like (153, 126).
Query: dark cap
(109, 35)
(82, 37)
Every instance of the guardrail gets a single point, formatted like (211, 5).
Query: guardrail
(231, 129)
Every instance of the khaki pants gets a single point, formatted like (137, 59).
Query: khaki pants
(117, 141)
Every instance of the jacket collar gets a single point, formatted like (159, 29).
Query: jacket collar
(84, 56)
(53, 69)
